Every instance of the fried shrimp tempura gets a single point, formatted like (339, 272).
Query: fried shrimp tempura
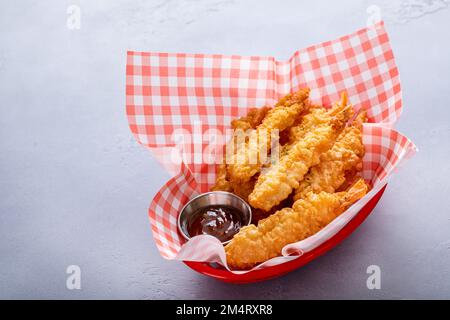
(280, 179)
(222, 183)
(253, 119)
(313, 118)
(250, 121)
(345, 155)
(244, 189)
(246, 162)
(256, 244)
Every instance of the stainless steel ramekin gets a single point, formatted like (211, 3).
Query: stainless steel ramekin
(212, 198)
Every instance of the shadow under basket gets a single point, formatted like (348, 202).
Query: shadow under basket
(222, 274)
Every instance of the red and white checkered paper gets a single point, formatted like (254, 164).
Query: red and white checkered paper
(174, 101)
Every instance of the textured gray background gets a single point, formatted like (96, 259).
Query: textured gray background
(75, 186)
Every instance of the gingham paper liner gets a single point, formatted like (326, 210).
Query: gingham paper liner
(174, 100)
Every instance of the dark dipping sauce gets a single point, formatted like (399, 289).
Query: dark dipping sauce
(220, 221)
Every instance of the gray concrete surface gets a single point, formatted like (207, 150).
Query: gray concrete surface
(75, 186)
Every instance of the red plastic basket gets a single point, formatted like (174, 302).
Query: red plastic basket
(281, 269)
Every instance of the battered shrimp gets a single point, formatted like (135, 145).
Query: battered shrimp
(256, 244)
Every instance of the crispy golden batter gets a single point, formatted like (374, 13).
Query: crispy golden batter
(246, 162)
(309, 121)
(253, 119)
(320, 158)
(281, 178)
(256, 244)
(250, 121)
(244, 189)
(222, 183)
(330, 173)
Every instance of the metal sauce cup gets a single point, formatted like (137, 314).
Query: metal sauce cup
(212, 198)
